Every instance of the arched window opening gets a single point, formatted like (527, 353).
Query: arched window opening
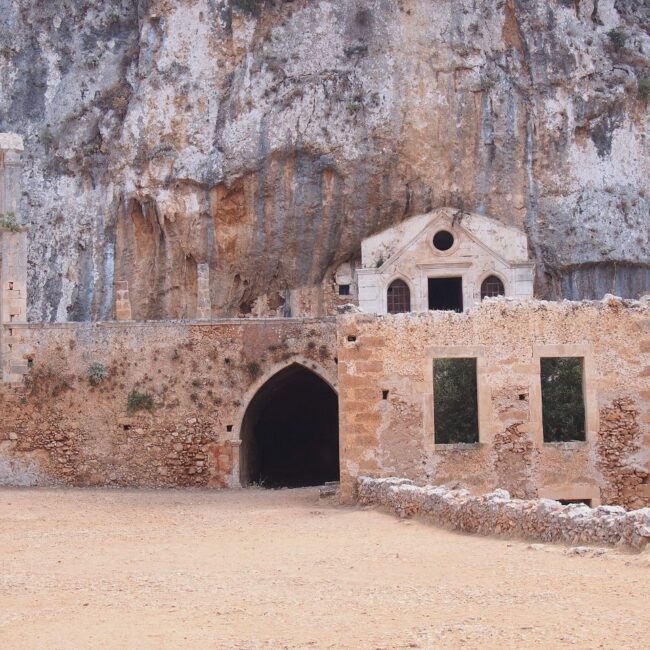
(399, 297)
(491, 287)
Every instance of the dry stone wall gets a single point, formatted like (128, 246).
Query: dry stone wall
(497, 513)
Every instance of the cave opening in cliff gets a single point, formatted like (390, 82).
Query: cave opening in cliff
(290, 432)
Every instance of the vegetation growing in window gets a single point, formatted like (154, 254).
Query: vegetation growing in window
(563, 409)
(455, 401)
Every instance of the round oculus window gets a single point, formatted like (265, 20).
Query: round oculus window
(443, 240)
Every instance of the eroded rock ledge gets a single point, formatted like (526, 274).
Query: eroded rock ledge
(497, 514)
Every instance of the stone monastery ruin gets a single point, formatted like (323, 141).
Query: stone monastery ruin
(432, 362)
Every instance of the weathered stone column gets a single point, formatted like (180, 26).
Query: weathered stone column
(122, 301)
(13, 259)
(203, 306)
(234, 481)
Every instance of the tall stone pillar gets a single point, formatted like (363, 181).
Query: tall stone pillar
(203, 307)
(122, 301)
(13, 259)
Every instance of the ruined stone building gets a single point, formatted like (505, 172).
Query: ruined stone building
(227, 260)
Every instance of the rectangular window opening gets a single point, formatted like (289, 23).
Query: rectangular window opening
(384, 394)
(567, 502)
(455, 401)
(344, 289)
(446, 294)
(563, 404)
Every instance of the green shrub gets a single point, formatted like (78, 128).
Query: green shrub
(351, 50)
(617, 39)
(250, 7)
(643, 91)
(46, 137)
(97, 373)
(139, 402)
(354, 107)
(254, 369)
(9, 223)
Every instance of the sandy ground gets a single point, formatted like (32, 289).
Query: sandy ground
(284, 569)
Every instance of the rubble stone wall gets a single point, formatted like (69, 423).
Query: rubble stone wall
(392, 356)
(497, 514)
(66, 425)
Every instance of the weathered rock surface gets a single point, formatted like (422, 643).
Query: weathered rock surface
(266, 138)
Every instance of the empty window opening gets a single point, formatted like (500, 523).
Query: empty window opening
(398, 297)
(11, 331)
(126, 427)
(446, 294)
(455, 401)
(351, 338)
(522, 397)
(30, 363)
(11, 286)
(492, 287)
(443, 240)
(567, 502)
(229, 428)
(384, 394)
(290, 433)
(344, 289)
(563, 408)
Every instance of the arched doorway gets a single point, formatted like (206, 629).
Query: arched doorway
(290, 432)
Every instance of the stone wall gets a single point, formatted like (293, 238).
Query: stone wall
(67, 424)
(392, 356)
(496, 513)
(13, 255)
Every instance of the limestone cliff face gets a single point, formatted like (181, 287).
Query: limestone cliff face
(266, 138)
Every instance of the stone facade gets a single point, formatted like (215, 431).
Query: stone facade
(69, 423)
(386, 399)
(480, 247)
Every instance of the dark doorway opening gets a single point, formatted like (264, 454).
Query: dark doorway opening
(446, 294)
(290, 432)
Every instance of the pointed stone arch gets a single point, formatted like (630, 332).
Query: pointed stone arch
(289, 429)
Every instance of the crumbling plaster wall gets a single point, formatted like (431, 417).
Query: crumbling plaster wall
(59, 428)
(267, 139)
(394, 436)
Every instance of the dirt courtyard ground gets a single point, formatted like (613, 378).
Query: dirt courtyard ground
(283, 569)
